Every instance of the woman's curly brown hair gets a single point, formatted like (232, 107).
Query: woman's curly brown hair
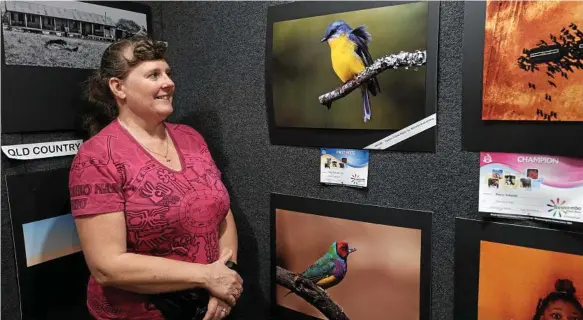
(113, 64)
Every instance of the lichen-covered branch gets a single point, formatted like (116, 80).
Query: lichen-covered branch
(392, 61)
(310, 292)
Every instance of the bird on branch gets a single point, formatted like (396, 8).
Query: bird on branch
(330, 269)
(350, 56)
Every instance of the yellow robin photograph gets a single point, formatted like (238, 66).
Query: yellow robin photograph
(316, 55)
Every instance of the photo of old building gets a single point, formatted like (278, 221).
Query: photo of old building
(63, 33)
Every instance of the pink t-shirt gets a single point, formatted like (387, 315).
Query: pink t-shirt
(172, 214)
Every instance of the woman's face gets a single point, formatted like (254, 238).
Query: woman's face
(148, 90)
(561, 310)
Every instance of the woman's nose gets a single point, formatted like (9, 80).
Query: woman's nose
(168, 83)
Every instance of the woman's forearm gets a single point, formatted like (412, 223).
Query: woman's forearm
(148, 274)
(228, 235)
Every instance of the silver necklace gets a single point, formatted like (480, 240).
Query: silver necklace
(143, 145)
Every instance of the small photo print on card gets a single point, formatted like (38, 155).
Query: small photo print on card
(525, 183)
(532, 173)
(497, 173)
(493, 183)
(510, 181)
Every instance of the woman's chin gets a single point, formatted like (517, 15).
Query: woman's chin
(164, 111)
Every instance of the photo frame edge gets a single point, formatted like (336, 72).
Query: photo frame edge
(24, 273)
(319, 137)
(18, 270)
(473, 232)
(423, 222)
(477, 134)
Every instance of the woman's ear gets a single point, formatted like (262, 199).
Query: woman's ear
(116, 87)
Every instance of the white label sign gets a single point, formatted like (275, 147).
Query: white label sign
(405, 133)
(346, 167)
(42, 150)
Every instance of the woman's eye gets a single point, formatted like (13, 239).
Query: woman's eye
(154, 75)
(556, 316)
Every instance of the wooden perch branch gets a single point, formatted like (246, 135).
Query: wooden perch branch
(392, 61)
(310, 292)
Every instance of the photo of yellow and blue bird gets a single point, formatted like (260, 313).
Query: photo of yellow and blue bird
(350, 56)
(311, 56)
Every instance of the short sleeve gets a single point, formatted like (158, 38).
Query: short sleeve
(198, 139)
(198, 146)
(94, 184)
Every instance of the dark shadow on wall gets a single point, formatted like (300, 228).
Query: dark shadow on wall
(252, 299)
(207, 123)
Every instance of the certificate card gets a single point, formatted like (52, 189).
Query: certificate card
(344, 167)
(531, 186)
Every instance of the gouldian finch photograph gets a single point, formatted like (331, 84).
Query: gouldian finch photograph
(315, 55)
(331, 267)
(369, 270)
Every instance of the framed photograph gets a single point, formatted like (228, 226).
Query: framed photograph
(523, 77)
(336, 260)
(316, 50)
(49, 50)
(47, 248)
(505, 271)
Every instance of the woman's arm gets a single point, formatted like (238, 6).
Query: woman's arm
(103, 240)
(228, 235)
(228, 241)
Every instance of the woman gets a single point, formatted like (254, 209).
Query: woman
(151, 211)
(561, 304)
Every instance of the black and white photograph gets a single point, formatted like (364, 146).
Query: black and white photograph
(49, 50)
(66, 34)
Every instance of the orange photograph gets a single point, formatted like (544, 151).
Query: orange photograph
(369, 270)
(519, 283)
(533, 61)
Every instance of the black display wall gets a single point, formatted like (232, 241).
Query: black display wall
(216, 50)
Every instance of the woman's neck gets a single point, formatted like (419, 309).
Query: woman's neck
(143, 128)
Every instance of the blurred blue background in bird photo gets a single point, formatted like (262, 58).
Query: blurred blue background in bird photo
(312, 56)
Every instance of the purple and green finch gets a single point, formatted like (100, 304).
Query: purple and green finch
(331, 267)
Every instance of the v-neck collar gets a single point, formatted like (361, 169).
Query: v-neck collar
(182, 166)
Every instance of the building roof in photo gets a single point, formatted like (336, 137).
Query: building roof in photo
(45, 10)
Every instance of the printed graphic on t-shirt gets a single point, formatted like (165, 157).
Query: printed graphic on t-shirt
(168, 213)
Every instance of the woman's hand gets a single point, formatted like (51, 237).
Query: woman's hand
(223, 282)
(217, 309)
